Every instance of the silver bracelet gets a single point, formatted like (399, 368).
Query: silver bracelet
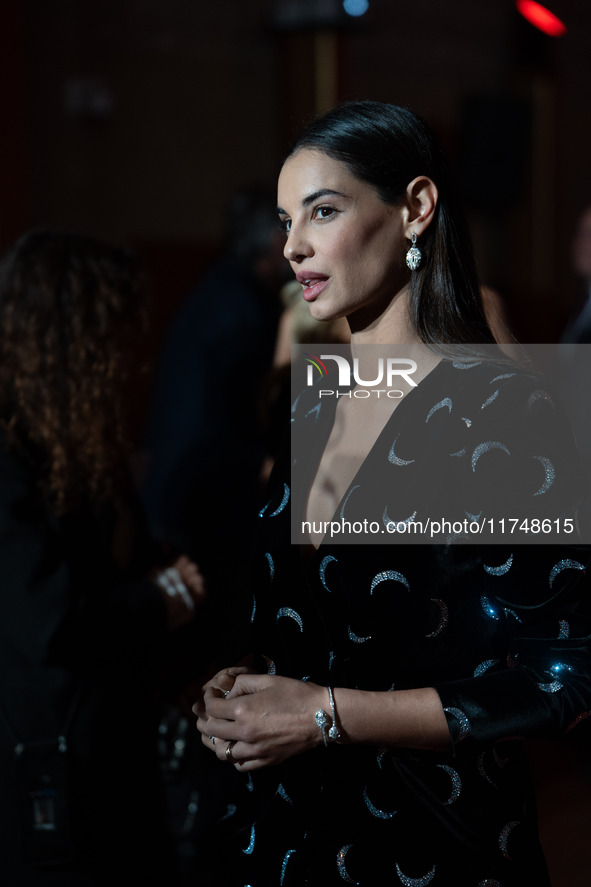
(334, 733)
(328, 723)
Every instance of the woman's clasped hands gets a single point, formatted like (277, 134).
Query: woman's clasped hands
(258, 720)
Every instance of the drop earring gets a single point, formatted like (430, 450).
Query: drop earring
(414, 255)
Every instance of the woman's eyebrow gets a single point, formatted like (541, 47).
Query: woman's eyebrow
(322, 192)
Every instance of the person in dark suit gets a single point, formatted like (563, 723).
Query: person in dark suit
(87, 599)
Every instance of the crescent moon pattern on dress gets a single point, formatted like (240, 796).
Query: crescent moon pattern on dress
(283, 503)
(415, 882)
(443, 617)
(283, 794)
(467, 421)
(489, 883)
(482, 770)
(463, 720)
(315, 411)
(347, 497)
(264, 508)
(386, 519)
(250, 783)
(539, 395)
(465, 366)
(565, 564)
(388, 574)
(564, 629)
(489, 400)
(341, 856)
(271, 667)
(552, 687)
(502, 376)
(322, 569)
(484, 666)
(484, 448)
(550, 474)
(355, 637)
(382, 752)
(291, 614)
(446, 402)
(500, 570)
(461, 452)
(394, 459)
(250, 847)
(271, 565)
(456, 783)
(375, 811)
(488, 608)
(254, 608)
(504, 837)
(286, 859)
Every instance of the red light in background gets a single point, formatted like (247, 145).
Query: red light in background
(541, 18)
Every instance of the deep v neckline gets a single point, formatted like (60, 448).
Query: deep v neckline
(309, 550)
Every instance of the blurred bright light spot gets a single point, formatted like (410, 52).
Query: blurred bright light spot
(541, 18)
(356, 7)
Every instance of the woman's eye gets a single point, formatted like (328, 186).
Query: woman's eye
(323, 212)
(284, 225)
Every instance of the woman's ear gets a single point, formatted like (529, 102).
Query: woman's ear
(420, 203)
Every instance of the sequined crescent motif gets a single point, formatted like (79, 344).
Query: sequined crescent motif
(286, 859)
(484, 666)
(271, 565)
(283, 794)
(539, 395)
(394, 459)
(388, 574)
(415, 882)
(283, 503)
(291, 614)
(386, 519)
(271, 667)
(443, 618)
(550, 474)
(341, 855)
(484, 448)
(463, 720)
(347, 497)
(504, 837)
(446, 402)
(489, 883)
(552, 687)
(489, 400)
(356, 639)
(375, 811)
(250, 847)
(564, 629)
(254, 608)
(500, 570)
(456, 783)
(322, 569)
(565, 564)
(488, 608)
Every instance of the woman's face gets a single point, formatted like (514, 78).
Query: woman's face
(345, 245)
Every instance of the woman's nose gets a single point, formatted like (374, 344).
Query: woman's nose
(297, 246)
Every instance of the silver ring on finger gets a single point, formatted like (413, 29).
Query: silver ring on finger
(229, 755)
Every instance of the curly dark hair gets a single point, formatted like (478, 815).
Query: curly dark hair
(70, 305)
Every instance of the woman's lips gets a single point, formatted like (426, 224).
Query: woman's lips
(313, 285)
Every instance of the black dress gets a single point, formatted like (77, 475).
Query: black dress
(500, 630)
(80, 641)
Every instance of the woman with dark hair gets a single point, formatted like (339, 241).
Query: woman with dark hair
(87, 600)
(380, 718)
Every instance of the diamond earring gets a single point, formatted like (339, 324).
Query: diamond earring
(414, 255)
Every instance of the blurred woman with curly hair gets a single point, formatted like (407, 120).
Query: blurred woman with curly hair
(86, 599)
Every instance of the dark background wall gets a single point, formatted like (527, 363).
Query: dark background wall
(136, 119)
